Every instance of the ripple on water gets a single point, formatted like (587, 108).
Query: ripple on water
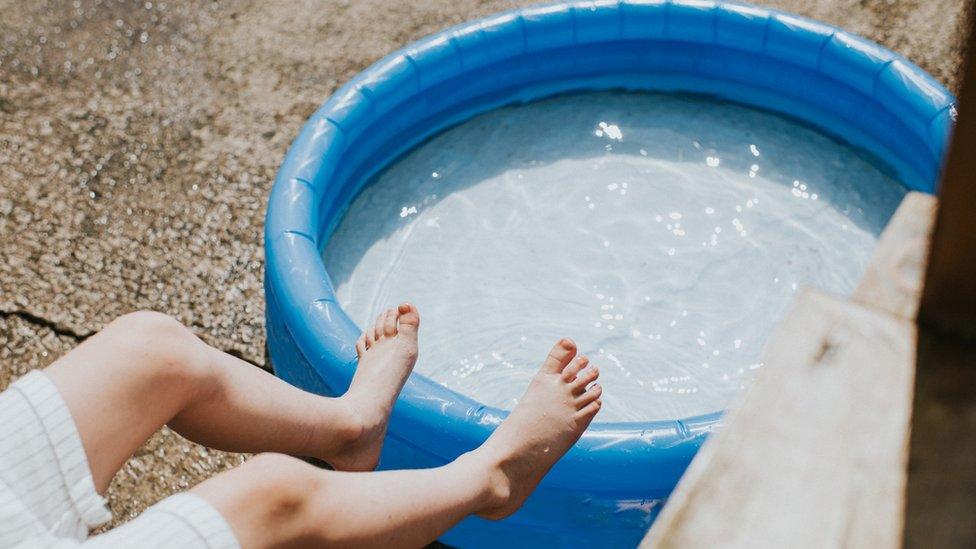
(666, 234)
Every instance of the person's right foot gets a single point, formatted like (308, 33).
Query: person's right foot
(387, 353)
(549, 419)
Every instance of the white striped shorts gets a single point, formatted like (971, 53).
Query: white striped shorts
(48, 498)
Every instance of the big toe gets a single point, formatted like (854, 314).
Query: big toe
(409, 317)
(560, 355)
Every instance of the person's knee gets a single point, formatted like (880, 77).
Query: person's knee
(288, 482)
(165, 345)
(268, 493)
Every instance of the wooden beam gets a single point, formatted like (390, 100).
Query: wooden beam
(789, 465)
(814, 453)
(941, 497)
(892, 281)
(941, 508)
(949, 298)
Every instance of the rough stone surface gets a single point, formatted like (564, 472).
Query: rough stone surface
(139, 140)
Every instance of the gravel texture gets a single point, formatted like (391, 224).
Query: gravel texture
(139, 141)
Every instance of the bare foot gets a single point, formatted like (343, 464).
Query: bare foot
(553, 413)
(387, 353)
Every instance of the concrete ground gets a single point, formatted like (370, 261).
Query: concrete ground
(139, 140)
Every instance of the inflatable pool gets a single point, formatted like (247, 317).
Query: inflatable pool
(610, 486)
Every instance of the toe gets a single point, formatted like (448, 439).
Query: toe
(559, 356)
(586, 413)
(577, 365)
(586, 377)
(589, 396)
(378, 327)
(409, 317)
(361, 346)
(370, 336)
(390, 323)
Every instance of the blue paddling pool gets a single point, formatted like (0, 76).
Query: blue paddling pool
(607, 490)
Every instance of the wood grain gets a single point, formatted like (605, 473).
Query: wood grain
(893, 279)
(941, 506)
(949, 298)
(814, 453)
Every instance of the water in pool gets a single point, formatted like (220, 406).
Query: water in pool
(666, 234)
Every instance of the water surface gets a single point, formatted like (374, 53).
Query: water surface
(666, 234)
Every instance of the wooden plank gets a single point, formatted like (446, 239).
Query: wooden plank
(949, 297)
(892, 281)
(891, 284)
(941, 497)
(941, 508)
(814, 452)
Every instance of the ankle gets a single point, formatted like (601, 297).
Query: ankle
(352, 426)
(334, 430)
(364, 409)
(494, 483)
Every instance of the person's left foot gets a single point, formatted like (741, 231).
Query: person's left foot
(387, 353)
(558, 406)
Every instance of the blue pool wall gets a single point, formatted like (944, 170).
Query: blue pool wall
(610, 486)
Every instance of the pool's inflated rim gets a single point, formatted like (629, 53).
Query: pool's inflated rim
(823, 76)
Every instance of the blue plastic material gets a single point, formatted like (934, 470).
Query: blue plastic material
(610, 486)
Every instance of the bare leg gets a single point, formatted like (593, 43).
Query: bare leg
(274, 500)
(145, 370)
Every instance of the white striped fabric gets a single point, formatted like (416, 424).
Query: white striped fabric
(47, 496)
(43, 467)
(183, 520)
